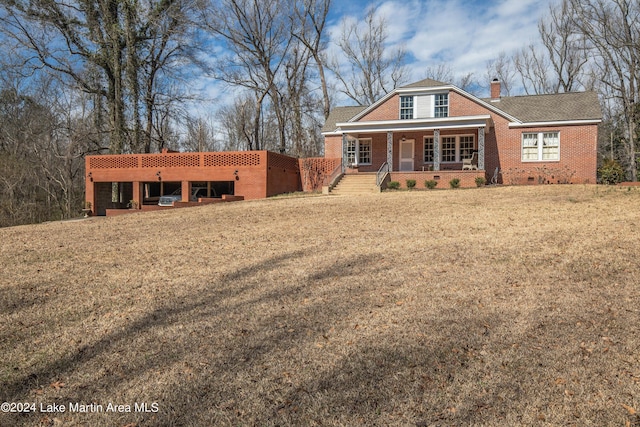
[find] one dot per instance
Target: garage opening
(152, 191)
(212, 189)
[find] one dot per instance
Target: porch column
(436, 150)
(89, 192)
(390, 150)
(137, 194)
(89, 195)
(481, 148)
(344, 152)
(186, 191)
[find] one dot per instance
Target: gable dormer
(424, 106)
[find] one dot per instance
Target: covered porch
(429, 146)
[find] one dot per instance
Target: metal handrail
(331, 179)
(382, 172)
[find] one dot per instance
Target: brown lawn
(494, 306)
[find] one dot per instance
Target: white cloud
(462, 34)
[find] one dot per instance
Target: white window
(359, 151)
(466, 147)
(364, 151)
(352, 149)
(540, 146)
(448, 144)
(551, 146)
(406, 107)
(428, 149)
(441, 105)
(456, 148)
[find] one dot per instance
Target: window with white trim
(364, 151)
(406, 107)
(466, 146)
(352, 149)
(456, 148)
(448, 148)
(428, 149)
(359, 151)
(441, 106)
(540, 146)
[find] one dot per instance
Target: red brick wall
(333, 147)
(389, 110)
(314, 171)
(503, 149)
(378, 151)
(283, 174)
(577, 163)
(463, 106)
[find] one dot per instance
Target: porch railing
(382, 173)
(332, 180)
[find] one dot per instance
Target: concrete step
(354, 184)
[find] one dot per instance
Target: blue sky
(463, 34)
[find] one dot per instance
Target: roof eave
(414, 124)
(555, 123)
(425, 89)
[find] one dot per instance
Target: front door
(406, 155)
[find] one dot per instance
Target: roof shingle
(527, 109)
(341, 115)
(551, 108)
(424, 83)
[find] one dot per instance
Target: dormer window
(424, 106)
(441, 106)
(406, 107)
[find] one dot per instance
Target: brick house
(433, 130)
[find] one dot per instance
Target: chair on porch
(470, 163)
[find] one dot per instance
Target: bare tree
(611, 28)
(441, 72)
(236, 124)
(44, 135)
(200, 135)
(534, 69)
(503, 69)
(107, 48)
(309, 23)
(293, 93)
(444, 73)
(560, 65)
(257, 37)
(370, 69)
(565, 46)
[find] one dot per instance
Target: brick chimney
(495, 90)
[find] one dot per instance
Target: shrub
(455, 183)
(393, 185)
(480, 181)
(430, 184)
(611, 172)
(411, 183)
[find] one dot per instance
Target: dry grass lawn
(494, 306)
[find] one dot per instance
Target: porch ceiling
(417, 124)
